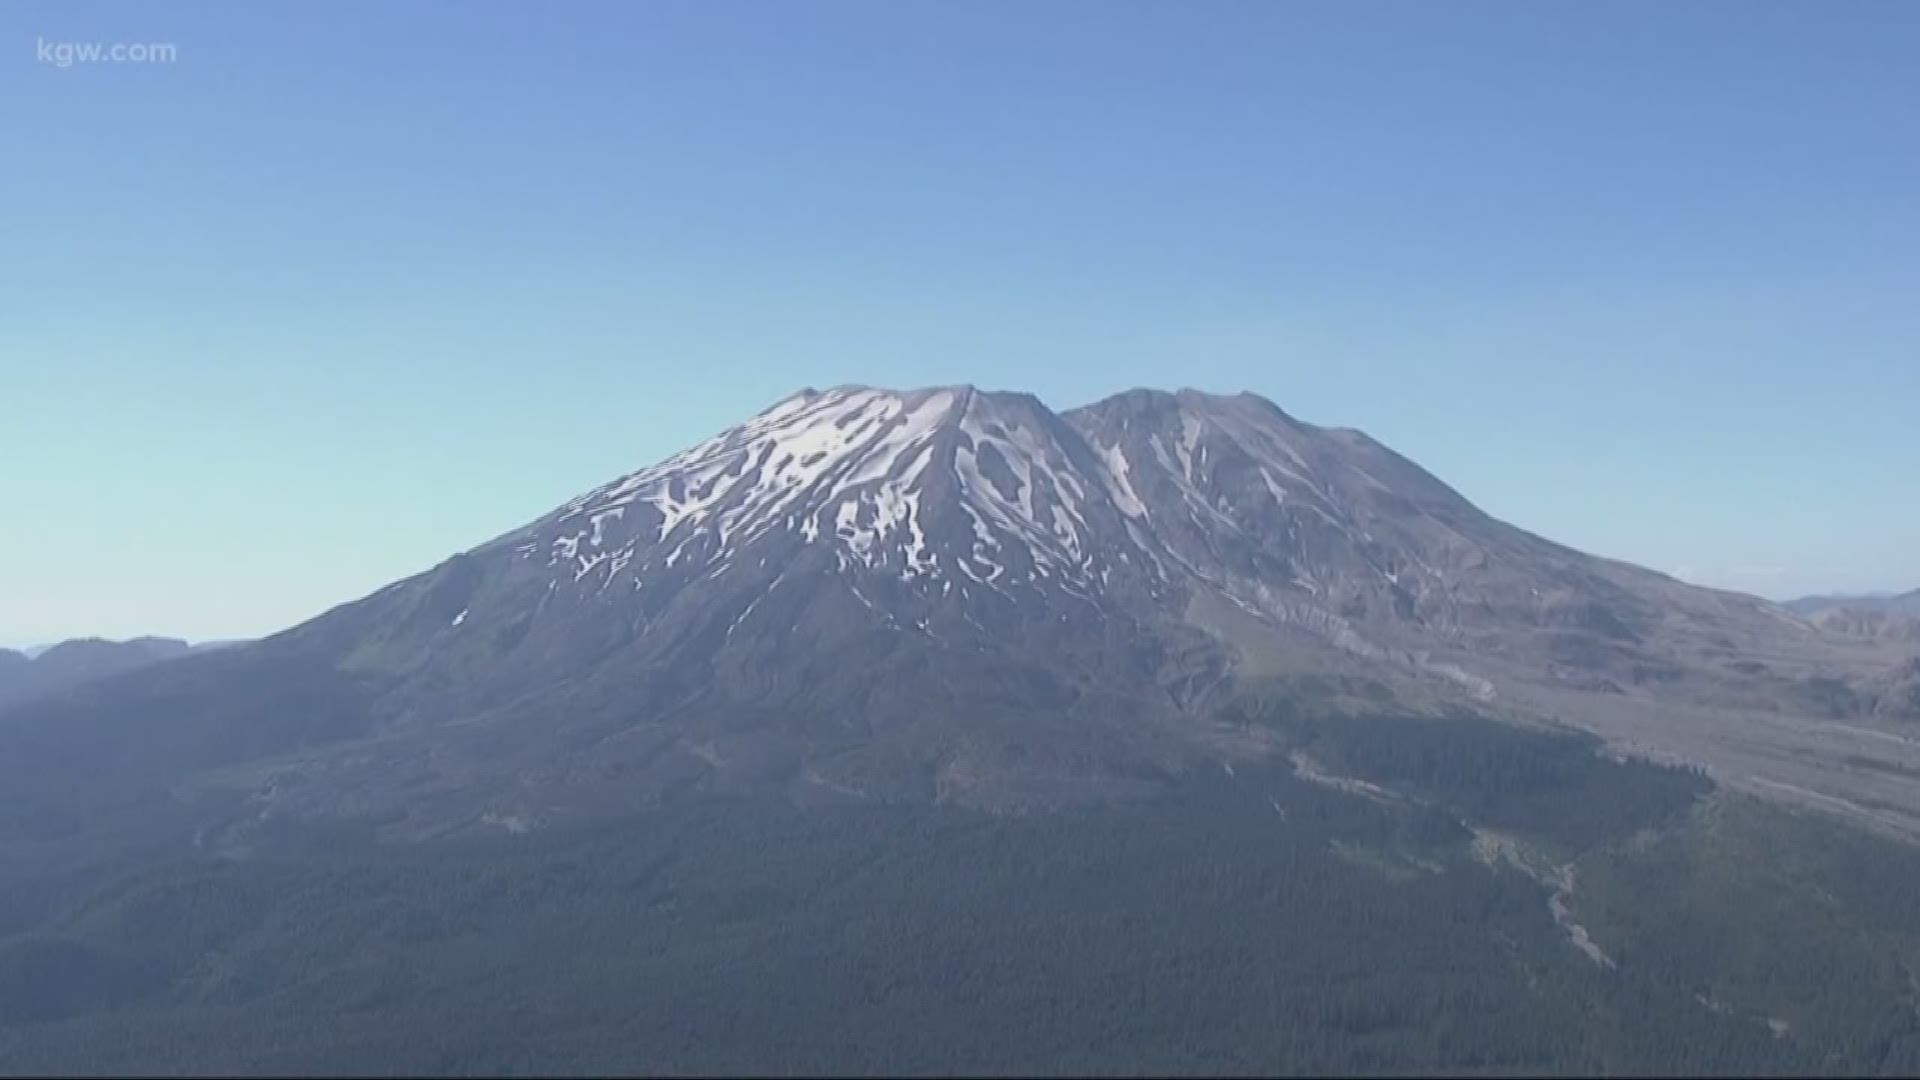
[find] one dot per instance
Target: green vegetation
(1252, 922)
(1554, 787)
(1788, 919)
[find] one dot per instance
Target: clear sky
(344, 288)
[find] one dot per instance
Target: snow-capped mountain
(951, 498)
(950, 488)
(933, 594)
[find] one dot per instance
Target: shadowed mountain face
(943, 595)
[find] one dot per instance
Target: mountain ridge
(53, 668)
(953, 594)
(1907, 603)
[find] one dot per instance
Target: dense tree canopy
(1249, 922)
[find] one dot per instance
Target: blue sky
(345, 288)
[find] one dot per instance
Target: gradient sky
(346, 288)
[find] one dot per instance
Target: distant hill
(35, 673)
(1907, 603)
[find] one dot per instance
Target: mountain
(1889, 619)
(1906, 604)
(1327, 529)
(58, 667)
(14, 666)
(952, 595)
(937, 732)
(1867, 622)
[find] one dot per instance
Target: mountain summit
(946, 594)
